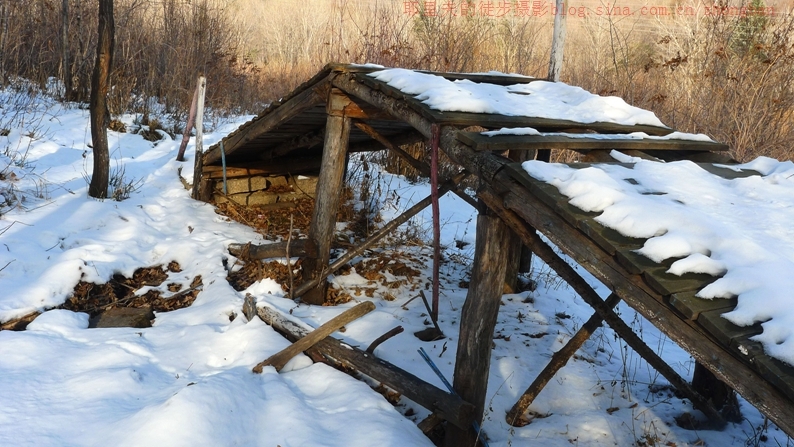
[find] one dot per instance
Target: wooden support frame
(329, 183)
(315, 93)
(759, 392)
(380, 234)
(578, 284)
(477, 322)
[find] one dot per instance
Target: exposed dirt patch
(121, 291)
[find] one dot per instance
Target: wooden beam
(422, 167)
(279, 359)
(307, 140)
(452, 408)
(329, 184)
(372, 240)
(292, 166)
(753, 387)
(407, 137)
(198, 162)
(273, 117)
(477, 322)
(298, 248)
(583, 289)
(499, 143)
(393, 107)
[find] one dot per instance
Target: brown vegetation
(726, 75)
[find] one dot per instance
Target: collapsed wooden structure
(343, 110)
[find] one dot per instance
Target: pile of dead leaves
(121, 291)
(255, 270)
(273, 223)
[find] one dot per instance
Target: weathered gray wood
(648, 303)
(477, 322)
(450, 407)
(311, 95)
(498, 143)
(329, 183)
(137, 317)
(298, 248)
(578, 284)
(408, 108)
(691, 306)
(191, 121)
(299, 142)
(279, 359)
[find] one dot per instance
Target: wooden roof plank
(634, 262)
(609, 240)
(667, 284)
(691, 306)
(271, 118)
(723, 330)
(480, 142)
(778, 373)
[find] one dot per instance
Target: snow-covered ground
(187, 380)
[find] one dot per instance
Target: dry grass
(724, 75)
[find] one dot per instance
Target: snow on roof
(540, 99)
(598, 136)
(740, 228)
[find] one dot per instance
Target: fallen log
(298, 248)
(448, 406)
(19, 324)
(279, 359)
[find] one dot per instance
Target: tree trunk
(100, 117)
(66, 67)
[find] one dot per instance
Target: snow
(540, 99)
(598, 136)
(738, 230)
(187, 380)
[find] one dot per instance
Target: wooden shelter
(343, 110)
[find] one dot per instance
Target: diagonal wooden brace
(580, 286)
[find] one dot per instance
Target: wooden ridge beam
(480, 142)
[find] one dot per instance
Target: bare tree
(100, 116)
(66, 65)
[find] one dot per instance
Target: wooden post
(329, 185)
(520, 256)
(477, 322)
(198, 165)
